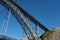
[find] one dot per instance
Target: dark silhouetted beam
(27, 15)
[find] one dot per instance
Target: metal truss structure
(23, 18)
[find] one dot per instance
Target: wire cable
(5, 24)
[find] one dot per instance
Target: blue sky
(45, 11)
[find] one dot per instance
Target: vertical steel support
(5, 23)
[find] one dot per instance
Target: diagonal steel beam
(27, 15)
(31, 18)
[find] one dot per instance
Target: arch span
(21, 15)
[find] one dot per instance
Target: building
(55, 35)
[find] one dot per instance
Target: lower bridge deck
(6, 38)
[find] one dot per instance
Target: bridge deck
(6, 38)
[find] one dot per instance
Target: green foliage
(46, 34)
